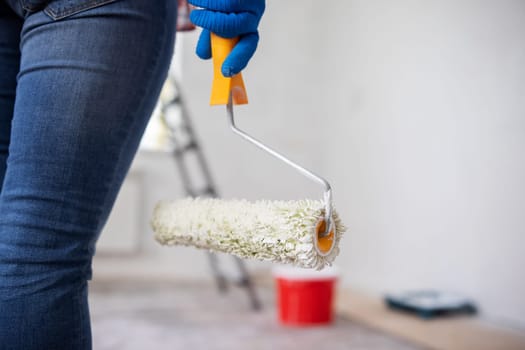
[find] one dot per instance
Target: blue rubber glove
(229, 19)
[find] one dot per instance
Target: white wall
(416, 113)
(431, 127)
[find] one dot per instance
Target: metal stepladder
(175, 117)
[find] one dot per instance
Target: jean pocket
(60, 9)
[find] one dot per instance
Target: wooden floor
(455, 333)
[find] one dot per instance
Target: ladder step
(206, 192)
(179, 152)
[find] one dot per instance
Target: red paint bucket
(305, 297)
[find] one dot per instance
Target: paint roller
(305, 233)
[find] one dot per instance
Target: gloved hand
(229, 19)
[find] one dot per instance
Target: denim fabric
(78, 82)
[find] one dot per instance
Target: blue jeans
(78, 82)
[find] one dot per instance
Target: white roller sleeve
(278, 231)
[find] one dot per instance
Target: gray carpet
(194, 317)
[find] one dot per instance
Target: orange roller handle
(221, 86)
